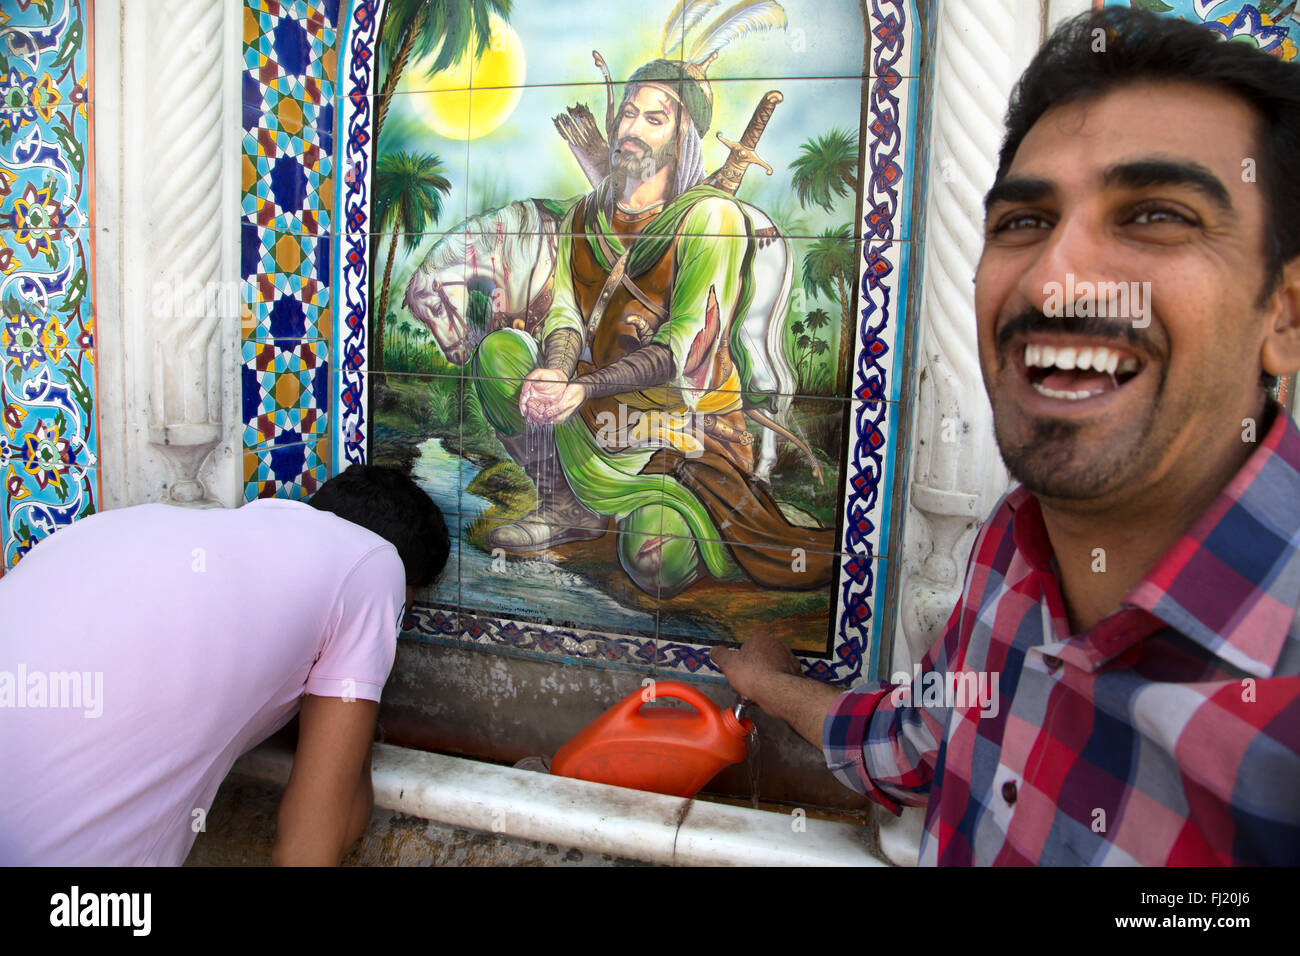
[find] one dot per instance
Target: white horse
(509, 253)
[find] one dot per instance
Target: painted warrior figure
(654, 267)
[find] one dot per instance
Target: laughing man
(1136, 592)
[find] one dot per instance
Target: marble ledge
(591, 817)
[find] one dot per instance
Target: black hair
(387, 502)
(1103, 50)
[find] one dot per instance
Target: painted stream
(521, 587)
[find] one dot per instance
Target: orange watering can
(660, 749)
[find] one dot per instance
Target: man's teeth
(1057, 393)
(1086, 358)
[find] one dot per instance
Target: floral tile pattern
(1270, 26)
(48, 434)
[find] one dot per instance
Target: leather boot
(560, 518)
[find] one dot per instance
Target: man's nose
(634, 129)
(1073, 253)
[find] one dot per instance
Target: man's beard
(1052, 457)
(629, 169)
(1045, 462)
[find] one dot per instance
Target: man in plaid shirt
(1120, 680)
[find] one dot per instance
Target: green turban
(687, 82)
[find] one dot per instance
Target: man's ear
(1280, 353)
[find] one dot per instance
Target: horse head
(438, 300)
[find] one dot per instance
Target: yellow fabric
(672, 424)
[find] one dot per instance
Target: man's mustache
(1032, 321)
(645, 147)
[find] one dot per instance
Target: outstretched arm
(328, 801)
(766, 671)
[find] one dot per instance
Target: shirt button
(1009, 791)
(1053, 663)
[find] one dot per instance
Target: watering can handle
(683, 692)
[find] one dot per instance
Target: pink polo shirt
(143, 650)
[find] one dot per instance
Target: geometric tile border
(289, 107)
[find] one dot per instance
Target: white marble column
(167, 290)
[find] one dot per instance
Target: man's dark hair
(1142, 46)
(389, 503)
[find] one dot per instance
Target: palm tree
(817, 320)
(829, 267)
(408, 200)
(416, 28)
(826, 169)
(797, 332)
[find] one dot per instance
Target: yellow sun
(471, 99)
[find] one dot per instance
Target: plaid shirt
(1167, 734)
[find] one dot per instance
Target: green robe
(612, 482)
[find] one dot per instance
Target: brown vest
(616, 336)
(628, 325)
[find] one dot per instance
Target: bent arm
(328, 801)
(652, 365)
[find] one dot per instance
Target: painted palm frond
(818, 319)
(684, 18)
(829, 262)
(826, 169)
(408, 200)
(414, 29)
(465, 27)
(741, 19)
(408, 193)
(829, 270)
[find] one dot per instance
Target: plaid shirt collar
(1231, 583)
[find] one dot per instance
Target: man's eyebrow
(1143, 173)
(1018, 189)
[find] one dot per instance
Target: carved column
(172, 353)
(981, 47)
(186, 304)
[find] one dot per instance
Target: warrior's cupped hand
(547, 397)
(542, 388)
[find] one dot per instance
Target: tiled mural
(48, 434)
(750, 488)
(288, 191)
(1268, 24)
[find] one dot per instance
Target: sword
(742, 154)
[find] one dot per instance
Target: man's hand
(759, 657)
(548, 398)
(767, 672)
(329, 798)
(570, 401)
(542, 388)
